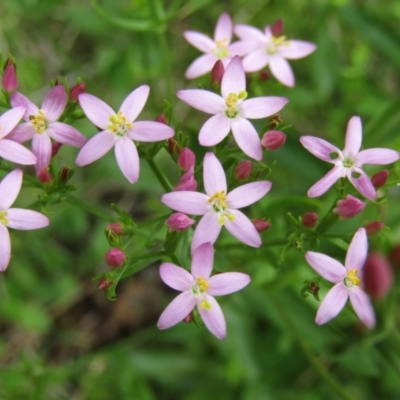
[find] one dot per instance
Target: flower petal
(377, 157)
(243, 229)
(363, 184)
(200, 66)
(332, 304)
(282, 70)
(176, 277)
(357, 251)
(41, 148)
(256, 60)
(294, 49)
(96, 110)
(22, 133)
(249, 32)
(134, 103)
(66, 134)
(214, 130)
(362, 306)
(234, 79)
(22, 219)
(241, 48)
(54, 103)
(261, 107)
(5, 248)
(227, 282)
(213, 174)
(212, 316)
(203, 261)
(177, 310)
(248, 194)
(95, 148)
(203, 100)
(150, 131)
(19, 100)
(187, 202)
(10, 119)
(9, 188)
(127, 158)
(320, 148)
(223, 29)
(329, 268)
(353, 137)
(207, 230)
(200, 41)
(326, 182)
(247, 137)
(15, 152)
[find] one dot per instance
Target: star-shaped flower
(198, 290)
(231, 110)
(219, 207)
(348, 162)
(347, 280)
(119, 130)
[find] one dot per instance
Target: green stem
(89, 208)
(160, 176)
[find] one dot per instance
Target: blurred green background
(62, 339)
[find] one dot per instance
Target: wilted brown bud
(380, 178)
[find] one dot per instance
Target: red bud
(243, 170)
(277, 27)
(115, 257)
(380, 178)
(261, 225)
(378, 276)
(273, 140)
(309, 219)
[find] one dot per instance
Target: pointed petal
(19, 218)
(19, 100)
(320, 148)
(376, 156)
(247, 137)
(357, 251)
(249, 32)
(41, 147)
(256, 60)
(241, 48)
(282, 70)
(207, 230)
(248, 194)
(363, 184)
(326, 182)
(223, 29)
(9, 188)
(177, 310)
(214, 130)
(200, 41)
(362, 306)
(22, 133)
(212, 316)
(203, 261)
(203, 100)
(330, 269)
(95, 148)
(66, 134)
(127, 158)
(15, 152)
(353, 137)
(213, 174)
(150, 131)
(234, 79)
(261, 107)
(54, 103)
(134, 103)
(10, 119)
(200, 66)
(243, 229)
(96, 110)
(294, 49)
(332, 304)
(227, 282)
(176, 277)
(5, 248)
(187, 202)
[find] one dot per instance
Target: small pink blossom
(347, 280)
(15, 218)
(198, 289)
(10, 81)
(219, 207)
(231, 111)
(186, 159)
(349, 207)
(178, 222)
(347, 163)
(118, 129)
(187, 181)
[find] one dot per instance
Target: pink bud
(261, 225)
(374, 227)
(45, 176)
(349, 207)
(187, 182)
(217, 73)
(188, 319)
(55, 146)
(186, 159)
(309, 219)
(243, 170)
(163, 119)
(179, 222)
(263, 76)
(115, 257)
(10, 81)
(273, 140)
(76, 90)
(380, 178)
(378, 276)
(277, 27)
(116, 227)
(104, 284)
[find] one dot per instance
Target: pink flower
(16, 218)
(187, 181)
(119, 130)
(267, 49)
(198, 290)
(10, 81)
(347, 162)
(178, 222)
(219, 207)
(349, 207)
(219, 48)
(41, 125)
(347, 280)
(186, 159)
(231, 110)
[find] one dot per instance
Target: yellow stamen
(218, 200)
(352, 279)
(3, 219)
(39, 121)
(277, 41)
(232, 102)
(200, 286)
(221, 50)
(119, 124)
(205, 304)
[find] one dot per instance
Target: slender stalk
(160, 176)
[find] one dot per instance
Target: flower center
(38, 121)
(119, 124)
(348, 162)
(352, 279)
(272, 47)
(221, 51)
(3, 219)
(200, 286)
(219, 206)
(232, 102)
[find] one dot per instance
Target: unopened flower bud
(263, 76)
(378, 276)
(65, 174)
(10, 81)
(243, 170)
(116, 227)
(76, 90)
(187, 182)
(374, 227)
(349, 207)
(163, 119)
(261, 225)
(55, 146)
(188, 319)
(104, 284)
(273, 140)
(173, 147)
(217, 73)
(313, 288)
(186, 159)
(277, 28)
(309, 219)
(380, 178)
(45, 176)
(115, 257)
(179, 222)
(394, 256)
